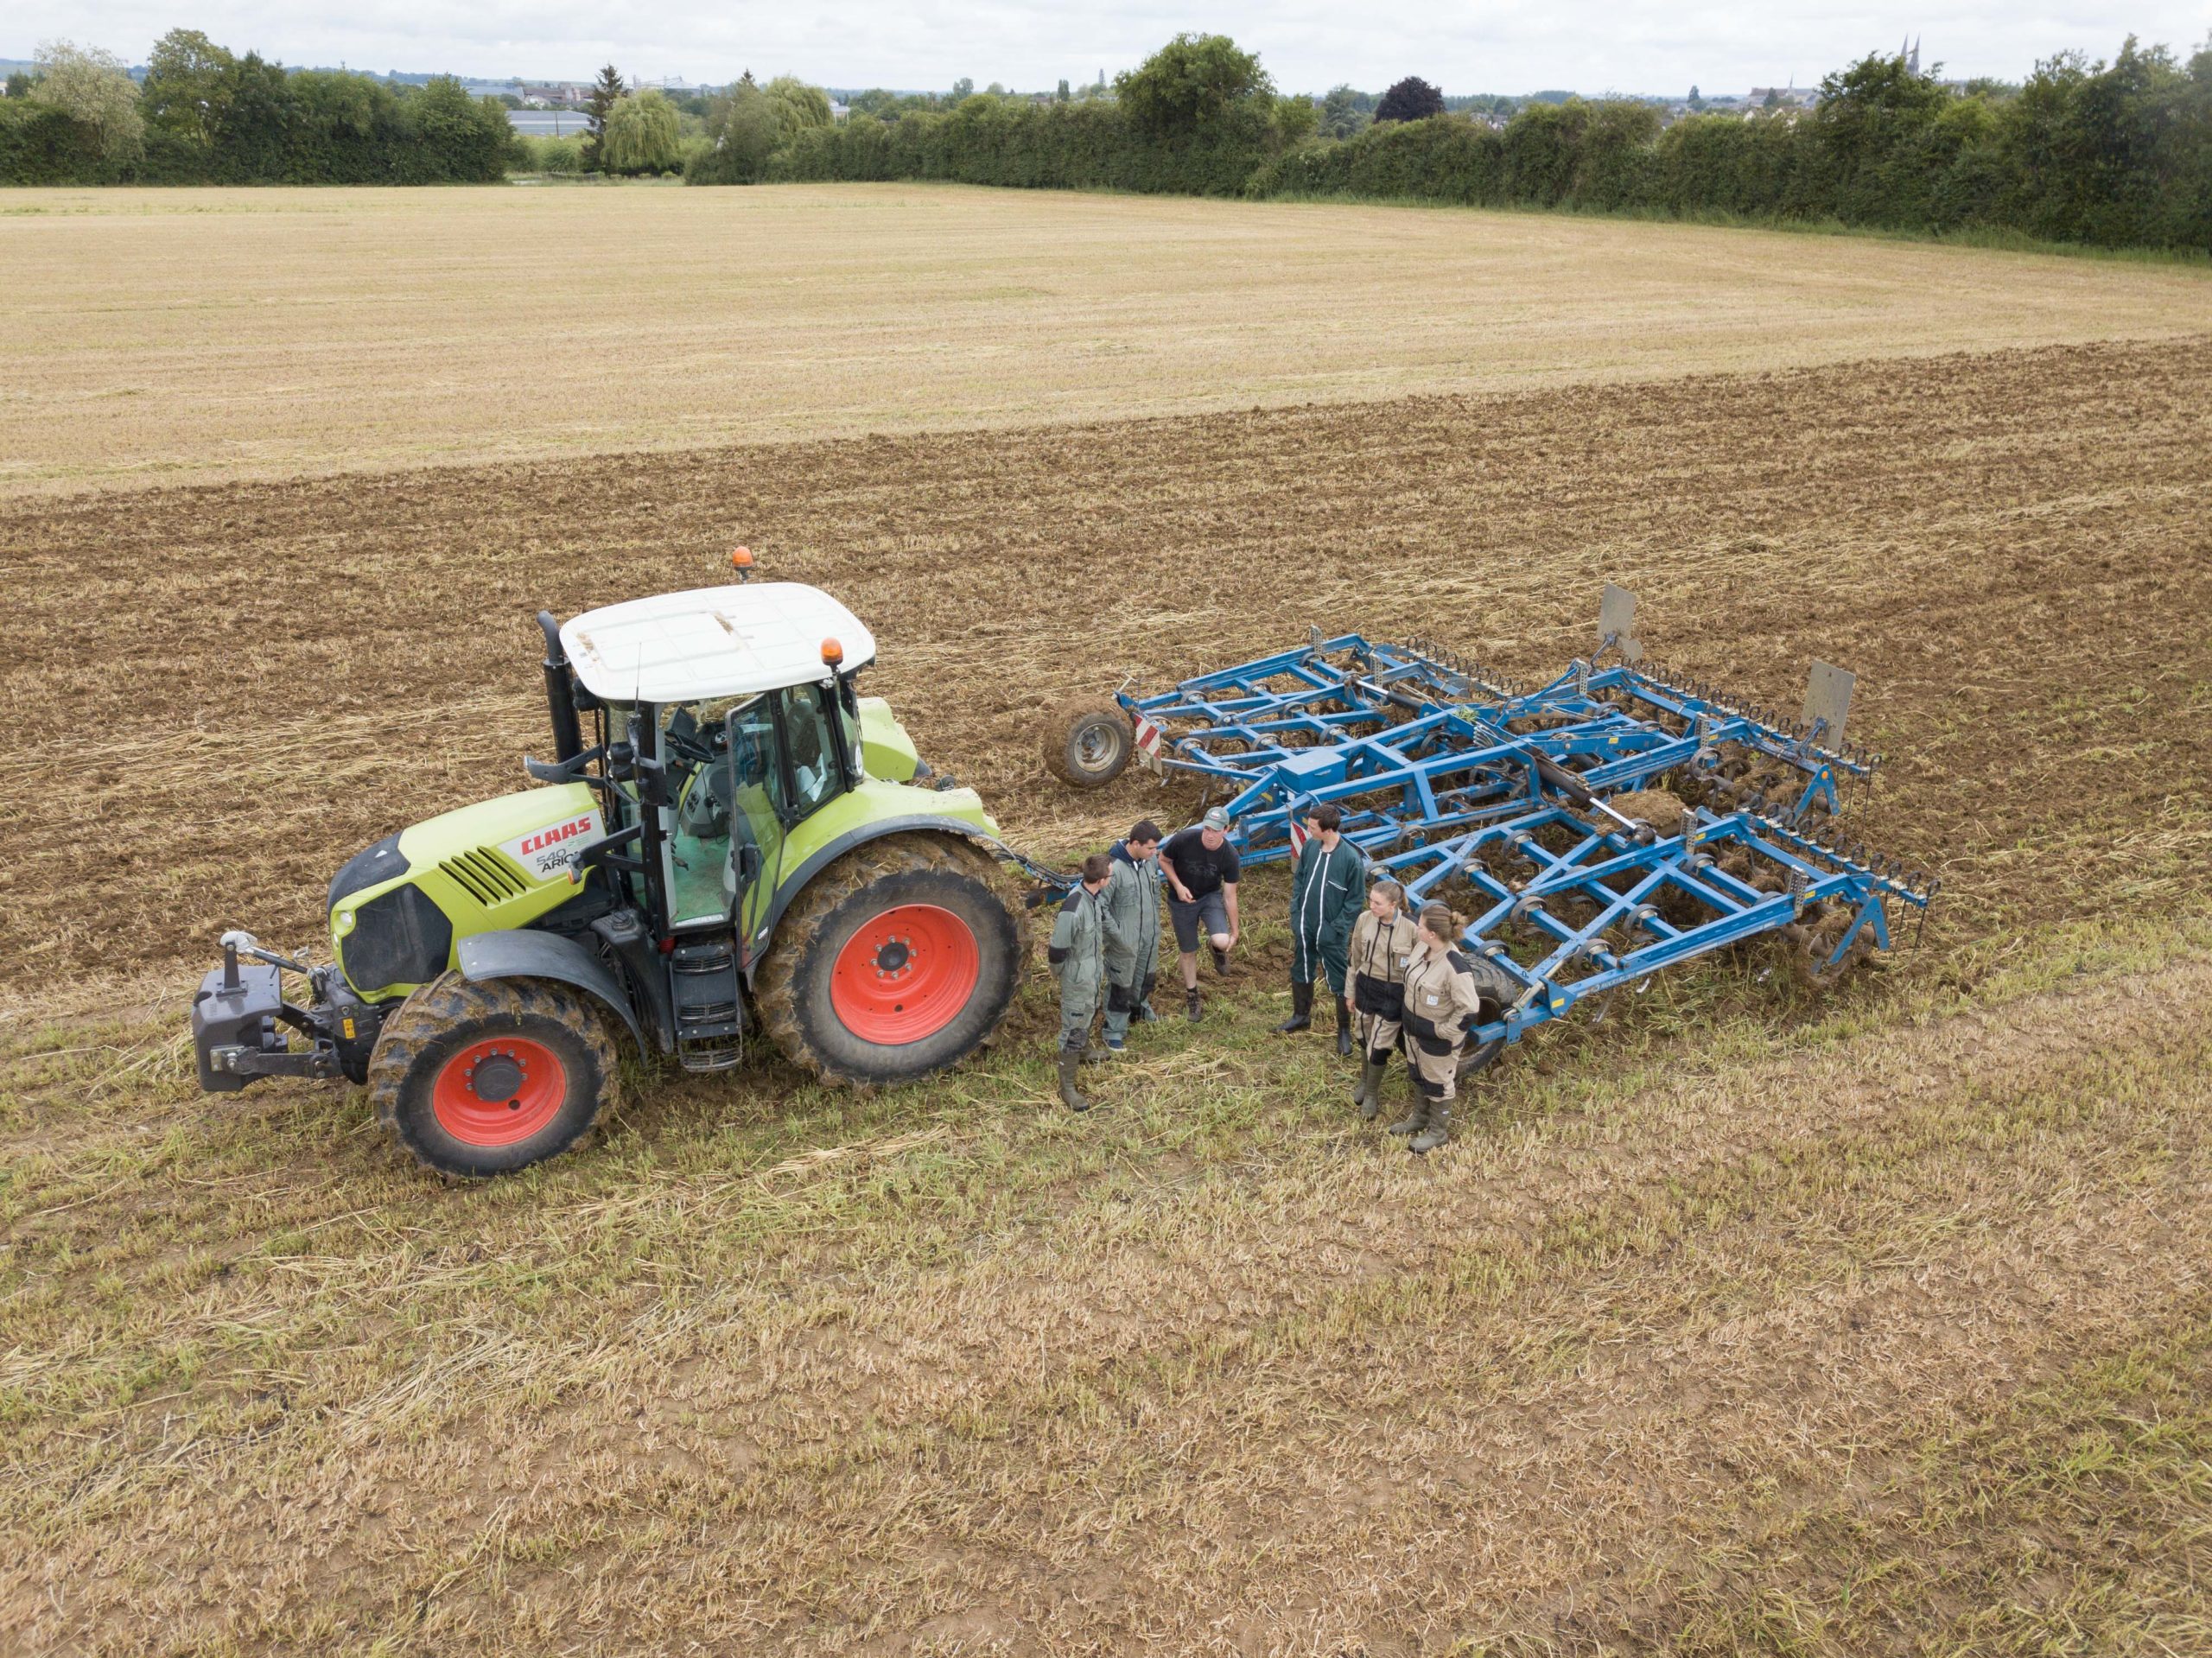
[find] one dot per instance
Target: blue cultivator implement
(1601, 827)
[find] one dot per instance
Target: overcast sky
(1506, 46)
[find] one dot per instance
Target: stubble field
(162, 336)
(1741, 1323)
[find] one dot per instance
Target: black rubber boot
(1070, 1095)
(1438, 1133)
(1368, 1096)
(1343, 1028)
(1301, 1009)
(1191, 1008)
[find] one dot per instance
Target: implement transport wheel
(482, 1079)
(896, 960)
(1088, 742)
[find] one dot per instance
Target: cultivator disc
(1612, 820)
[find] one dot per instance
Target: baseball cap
(1215, 820)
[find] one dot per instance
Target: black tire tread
(1059, 732)
(775, 986)
(449, 1000)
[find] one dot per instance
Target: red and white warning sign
(1297, 839)
(1148, 741)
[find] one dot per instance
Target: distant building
(550, 124)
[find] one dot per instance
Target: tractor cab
(737, 708)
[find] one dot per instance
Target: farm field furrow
(162, 336)
(2010, 550)
(1878, 1323)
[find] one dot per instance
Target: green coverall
(1326, 895)
(1077, 953)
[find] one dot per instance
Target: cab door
(756, 786)
(794, 752)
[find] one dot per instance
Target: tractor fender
(513, 953)
(831, 851)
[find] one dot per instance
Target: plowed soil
(218, 695)
(1739, 1324)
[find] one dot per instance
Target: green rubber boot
(1438, 1133)
(1071, 1097)
(1415, 1119)
(1368, 1096)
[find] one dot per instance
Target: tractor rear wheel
(897, 959)
(1088, 742)
(478, 1079)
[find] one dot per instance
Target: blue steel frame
(1442, 768)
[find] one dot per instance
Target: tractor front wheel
(897, 959)
(478, 1079)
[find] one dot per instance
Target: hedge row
(2117, 154)
(307, 127)
(2114, 156)
(1013, 142)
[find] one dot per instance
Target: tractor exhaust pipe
(560, 695)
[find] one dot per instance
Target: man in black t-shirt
(1201, 869)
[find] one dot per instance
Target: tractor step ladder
(709, 1020)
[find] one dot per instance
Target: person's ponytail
(1442, 921)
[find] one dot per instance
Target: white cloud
(1508, 46)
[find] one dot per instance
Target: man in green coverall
(1077, 953)
(1132, 901)
(1325, 896)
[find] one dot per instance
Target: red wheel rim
(502, 1089)
(906, 974)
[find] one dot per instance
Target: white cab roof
(683, 647)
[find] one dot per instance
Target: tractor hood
(397, 908)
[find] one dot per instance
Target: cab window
(812, 737)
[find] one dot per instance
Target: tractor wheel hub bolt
(497, 1078)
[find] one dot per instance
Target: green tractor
(747, 844)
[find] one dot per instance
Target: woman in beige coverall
(1382, 943)
(1443, 1003)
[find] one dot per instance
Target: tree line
(2112, 154)
(2109, 154)
(204, 115)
